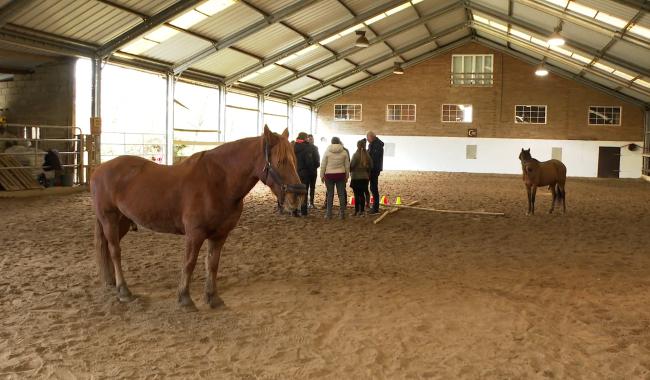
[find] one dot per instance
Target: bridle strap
(298, 188)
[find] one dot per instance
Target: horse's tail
(104, 262)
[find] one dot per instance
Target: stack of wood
(16, 178)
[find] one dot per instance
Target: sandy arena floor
(420, 295)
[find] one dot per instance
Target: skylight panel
(212, 7)
(611, 20)
(641, 31)
(520, 34)
(581, 58)
(623, 75)
(161, 34)
(582, 9)
(498, 26)
(398, 8)
(603, 67)
(642, 82)
(188, 19)
(559, 3)
(139, 46)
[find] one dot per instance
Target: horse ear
(285, 133)
(268, 135)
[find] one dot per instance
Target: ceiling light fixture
(397, 69)
(541, 70)
(362, 41)
(556, 39)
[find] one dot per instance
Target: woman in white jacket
(335, 171)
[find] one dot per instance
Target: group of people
(336, 168)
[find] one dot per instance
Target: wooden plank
(16, 179)
(392, 211)
(450, 211)
(7, 180)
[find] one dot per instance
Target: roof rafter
(378, 39)
(241, 34)
(147, 25)
(314, 39)
(381, 59)
(411, 62)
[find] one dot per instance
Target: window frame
(348, 104)
(620, 116)
(442, 113)
(532, 105)
(465, 84)
(415, 112)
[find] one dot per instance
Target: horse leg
(561, 188)
(554, 194)
(112, 227)
(532, 199)
(211, 267)
(528, 190)
(193, 245)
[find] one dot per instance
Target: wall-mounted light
(362, 41)
(397, 69)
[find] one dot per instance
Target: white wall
(498, 156)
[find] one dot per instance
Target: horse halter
(284, 188)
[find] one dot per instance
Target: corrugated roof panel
(429, 6)
(269, 41)
(408, 37)
(231, 20)
(271, 76)
(611, 7)
(525, 51)
(225, 63)
(572, 32)
(77, 19)
(384, 65)
(631, 53)
(395, 20)
(499, 5)
(331, 70)
(452, 37)
(298, 85)
(309, 58)
(175, 49)
(600, 80)
(148, 7)
(351, 80)
(419, 51)
(535, 17)
(570, 68)
(480, 34)
(360, 6)
(319, 17)
(645, 20)
(448, 20)
(272, 6)
(369, 53)
(636, 94)
(320, 93)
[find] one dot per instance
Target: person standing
(360, 168)
(335, 171)
(376, 152)
(307, 162)
(313, 175)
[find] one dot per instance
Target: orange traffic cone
(352, 202)
(384, 200)
(372, 199)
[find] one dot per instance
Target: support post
(260, 113)
(222, 113)
(169, 135)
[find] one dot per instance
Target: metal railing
(472, 79)
(37, 139)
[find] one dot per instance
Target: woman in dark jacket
(307, 162)
(360, 168)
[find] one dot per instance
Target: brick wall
(428, 86)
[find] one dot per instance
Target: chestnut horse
(551, 173)
(201, 197)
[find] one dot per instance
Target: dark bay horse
(551, 173)
(200, 197)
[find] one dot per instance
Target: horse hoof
(185, 302)
(124, 294)
(214, 301)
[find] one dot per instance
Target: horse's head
(280, 173)
(524, 155)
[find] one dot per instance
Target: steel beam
(381, 59)
(240, 35)
(378, 39)
(383, 74)
(559, 71)
(643, 5)
(316, 38)
(571, 44)
(146, 26)
(585, 22)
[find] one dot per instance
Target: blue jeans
(340, 190)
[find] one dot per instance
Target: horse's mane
(284, 152)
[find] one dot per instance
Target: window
(347, 112)
(457, 113)
(196, 119)
(604, 115)
(472, 70)
(530, 114)
(276, 115)
(241, 116)
(400, 112)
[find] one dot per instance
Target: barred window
(347, 112)
(604, 115)
(400, 112)
(472, 69)
(530, 114)
(457, 113)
